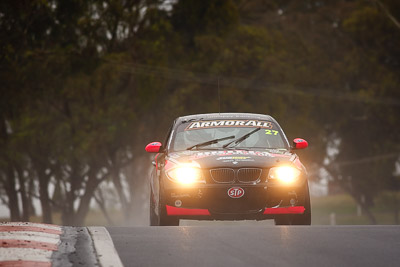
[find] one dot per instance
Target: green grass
(345, 210)
(96, 217)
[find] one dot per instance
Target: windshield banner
(229, 123)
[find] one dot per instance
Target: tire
(154, 219)
(298, 219)
(164, 219)
(168, 221)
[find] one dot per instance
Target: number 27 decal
(271, 132)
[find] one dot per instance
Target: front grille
(248, 175)
(223, 175)
(243, 175)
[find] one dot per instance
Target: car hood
(209, 159)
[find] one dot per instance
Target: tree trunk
(75, 180)
(9, 177)
(68, 212)
(31, 194)
(396, 208)
(136, 174)
(44, 195)
(84, 204)
(367, 212)
(124, 202)
(100, 201)
(115, 176)
(348, 189)
(13, 203)
(24, 196)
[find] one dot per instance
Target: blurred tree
(86, 84)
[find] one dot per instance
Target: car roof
(222, 116)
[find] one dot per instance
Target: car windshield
(188, 135)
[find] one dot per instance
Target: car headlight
(284, 174)
(186, 175)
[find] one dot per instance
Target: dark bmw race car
(228, 166)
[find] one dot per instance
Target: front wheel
(168, 221)
(165, 220)
(298, 219)
(162, 219)
(154, 219)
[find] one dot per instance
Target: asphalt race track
(207, 244)
(258, 245)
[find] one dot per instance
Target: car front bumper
(212, 201)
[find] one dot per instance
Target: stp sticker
(235, 192)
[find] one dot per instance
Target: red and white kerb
(28, 244)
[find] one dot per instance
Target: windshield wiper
(210, 142)
(241, 139)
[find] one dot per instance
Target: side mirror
(299, 143)
(153, 147)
